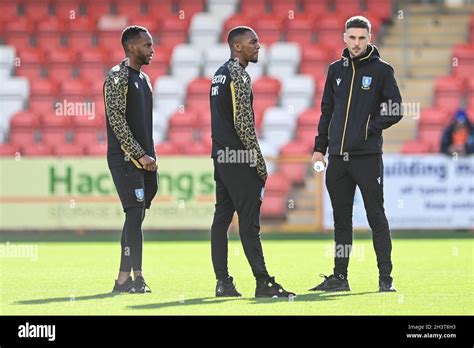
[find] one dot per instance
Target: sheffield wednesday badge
(366, 81)
(140, 194)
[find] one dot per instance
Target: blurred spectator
(458, 136)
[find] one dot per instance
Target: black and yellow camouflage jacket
(232, 116)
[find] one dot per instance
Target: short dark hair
(131, 32)
(358, 22)
(236, 32)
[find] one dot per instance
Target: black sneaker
(125, 287)
(140, 286)
(332, 283)
(386, 286)
(226, 288)
(270, 288)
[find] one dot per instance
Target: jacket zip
(367, 127)
(329, 127)
(348, 107)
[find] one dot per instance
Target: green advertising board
(78, 193)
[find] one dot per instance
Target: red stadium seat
(432, 137)
(449, 103)
(51, 120)
(68, 150)
(309, 117)
(41, 106)
(61, 56)
(289, 165)
(173, 31)
(269, 29)
(67, 9)
(301, 29)
(294, 172)
(24, 137)
(197, 149)
(267, 91)
(239, 19)
(59, 72)
(274, 206)
(94, 55)
(25, 120)
(205, 136)
(50, 25)
(97, 149)
(306, 135)
(152, 24)
(31, 56)
(46, 88)
(347, 8)
(277, 183)
(167, 148)
(319, 7)
(415, 147)
(9, 10)
(38, 9)
(448, 85)
(74, 88)
(295, 148)
(36, 150)
(188, 119)
(282, 8)
(190, 7)
(97, 9)
(8, 150)
(30, 72)
(129, 8)
(96, 74)
(19, 32)
(251, 7)
(382, 8)
(161, 8)
(56, 136)
(197, 98)
(181, 136)
(433, 117)
(86, 136)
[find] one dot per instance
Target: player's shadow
(313, 297)
(186, 302)
(67, 299)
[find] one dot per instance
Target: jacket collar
(370, 53)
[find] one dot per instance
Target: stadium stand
(54, 51)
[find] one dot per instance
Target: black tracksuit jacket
(352, 116)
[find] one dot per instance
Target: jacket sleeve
(321, 141)
(115, 98)
(391, 96)
(243, 114)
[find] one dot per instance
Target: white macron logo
(338, 81)
(116, 80)
(244, 78)
(378, 180)
(34, 331)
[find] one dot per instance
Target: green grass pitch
(434, 276)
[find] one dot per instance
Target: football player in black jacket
(239, 167)
(361, 98)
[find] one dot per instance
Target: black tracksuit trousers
(342, 176)
(238, 188)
